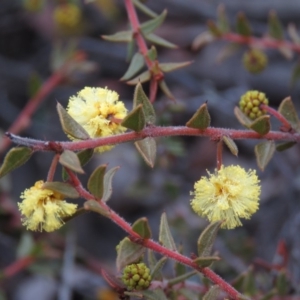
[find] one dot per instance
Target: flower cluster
(67, 16)
(250, 104)
(43, 209)
(255, 61)
(99, 112)
(136, 276)
(229, 194)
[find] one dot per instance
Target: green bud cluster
(255, 61)
(136, 276)
(250, 104)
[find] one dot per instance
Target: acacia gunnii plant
(96, 120)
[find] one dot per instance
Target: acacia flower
(99, 112)
(229, 194)
(44, 208)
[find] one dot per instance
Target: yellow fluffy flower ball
(229, 194)
(255, 61)
(67, 16)
(99, 112)
(250, 104)
(43, 209)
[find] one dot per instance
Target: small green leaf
(163, 86)
(15, 158)
(153, 38)
(242, 118)
(147, 148)
(143, 77)
(274, 26)
(261, 125)
(65, 189)
(207, 239)
(95, 182)
(264, 152)
(92, 205)
(201, 118)
(156, 271)
(152, 53)
(242, 25)
(130, 50)
(141, 98)
(181, 278)
(35, 83)
(135, 120)
(151, 259)
(213, 29)
(84, 157)
(121, 36)
(231, 145)
(71, 161)
(169, 67)
(165, 236)
(223, 23)
(107, 183)
(157, 294)
(206, 261)
(213, 293)
(153, 24)
(284, 146)
(143, 8)
(135, 66)
(69, 125)
(141, 226)
(128, 253)
(287, 109)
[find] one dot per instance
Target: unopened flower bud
(136, 276)
(255, 61)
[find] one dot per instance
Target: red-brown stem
(264, 42)
(23, 120)
(155, 131)
(219, 154)
(278, 116)
(52, 168)
(18, 266)
(153, 90)
(216, 279)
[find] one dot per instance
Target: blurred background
(37, 37)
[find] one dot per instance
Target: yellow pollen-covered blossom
(229, 194)
(43, 209)
(99, 112)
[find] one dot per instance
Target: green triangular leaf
(135, 66)
(201, 118)
(143, 8)
(70, 160)
(69, 125)
(95, 182)
(287, 109)
(207, 239)
(128, 253)
(135, 120)
(156, 273)
(284, 146)
(153, 24)
(242, 118)
(65, 189)
(147, 148)
(275, 27)
(165, 236)
(264, 152)
(261, 125)
(163, 86)
(141, 227)
(143, 77)
(15, 158)
(213, 293)
(121, 36)
(141, 98)
(107, 183)
(231, 145)
(92, 205)
(242, 25)
(153, 38)
(169, 67)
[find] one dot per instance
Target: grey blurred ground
(26, 41)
